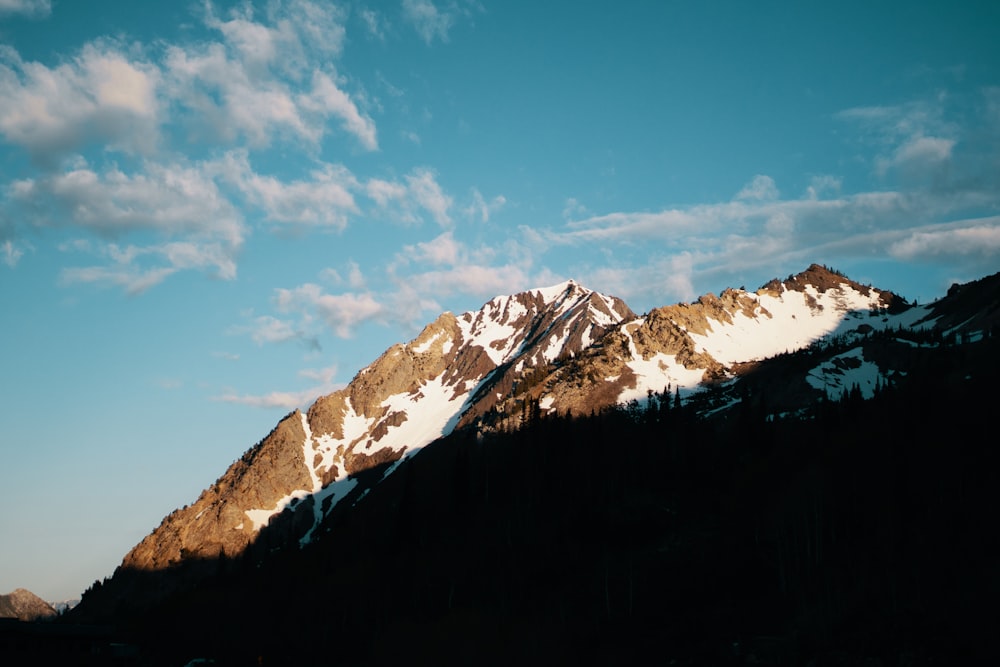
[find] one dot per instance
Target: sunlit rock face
(456, 370)
(24, 605)
(564, 348)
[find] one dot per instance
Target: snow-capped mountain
(458, 367)
(563, 349)
(758, 511)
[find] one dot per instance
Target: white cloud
(374, 22)
(130, 278)
(669, 277)
(342, 313)
(481, 210)
(402, 201)
(429, 21)
(429, 195)
(574, 209)
(635, 226)
(917, 153)
(972, 238)
(100, 96)
(322, 375)
(266, 329)
(289, 400)
(9, 254)
(762, 188)
(325, 200)
(284, 400)
(914, 140)
(820, 185)
(355, 278)
(327, 99)
(441, 250)
(297, 29)
(130, 269)
(473, 279)
(171, 199)
(32, 8)
(222, 94)
(266, 81)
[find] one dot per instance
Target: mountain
(457, 368)
(707, 473)
(24, 605)
(566, 348)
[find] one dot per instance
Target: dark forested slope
(862, 530)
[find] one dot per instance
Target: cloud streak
(30, 8)
(289, 400)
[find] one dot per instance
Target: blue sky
(210, 213)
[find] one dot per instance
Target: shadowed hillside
(860, 533)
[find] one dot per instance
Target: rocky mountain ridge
(796, 475)
(563, 349)
(412, 394)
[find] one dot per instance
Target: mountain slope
(457, 367)
(560, 350)
(861, 533)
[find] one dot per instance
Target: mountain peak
(457, 369)
(554, 292)
(24, 605)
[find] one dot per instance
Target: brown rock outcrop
(24, 605)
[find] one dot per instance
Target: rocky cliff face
(24, 605)
(690, 344)
(457, 369)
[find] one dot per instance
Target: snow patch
(655, 373)
(838, 375)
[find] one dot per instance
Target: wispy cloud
(962, 239)
(342, 313)
(266, 329)
(31, 8)
(290, 400)
(761, 188)
(138, 268)
(726, 238)
(10, 254)
(480, 210)
(172, 199)
(374, 22)
(324, 200)
(407, 201)
(428, 20)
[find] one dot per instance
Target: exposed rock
(24, 605)
(217, 523)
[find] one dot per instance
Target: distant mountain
(24, 605)
(555, 454)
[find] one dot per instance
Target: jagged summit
(457, 369)
(794, 403)
(562, 348)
